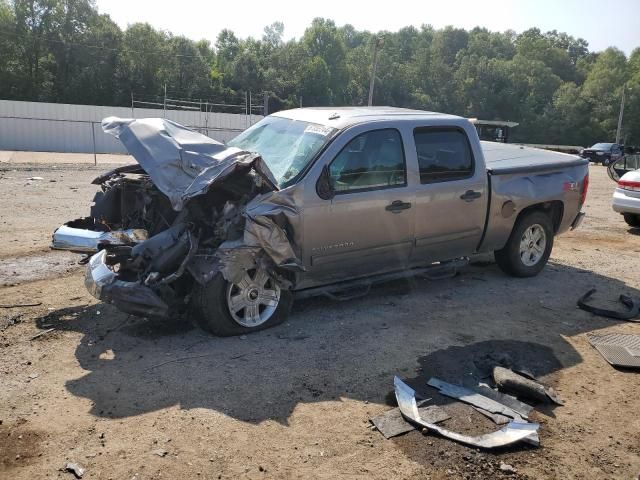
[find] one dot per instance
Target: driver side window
(371, 161)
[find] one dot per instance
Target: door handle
(470, 195)
(397, 206)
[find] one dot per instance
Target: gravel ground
(130, 398)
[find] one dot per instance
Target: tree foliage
(549, 82)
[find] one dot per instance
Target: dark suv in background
(603, 153)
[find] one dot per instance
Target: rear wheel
(254, 303)
(632, 219)
(529, 246)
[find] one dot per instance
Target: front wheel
(631, 219)
(606, 162)
(254, 303)
(529, 246)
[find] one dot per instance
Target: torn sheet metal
(620, 350)
(391, 423)
(511, 382)
(523, 409)
(473, 398)
(88, 241)
(494, 417)
(130, 297)
(262, 229)
(181, 162)
(631, 314)
(512, 433)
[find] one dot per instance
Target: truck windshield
(287, 146)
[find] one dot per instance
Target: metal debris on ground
(621, 350)
(160, 452)
(391, 423)
(473, 398)
(512, 433)
(74, 468)
(497, 418)
(506, 468)
(631, 314)
(524, 409)
(516, 384)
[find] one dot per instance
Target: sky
(602, 23)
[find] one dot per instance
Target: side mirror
(323, 187)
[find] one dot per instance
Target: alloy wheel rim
(254, 299)
(532, 245)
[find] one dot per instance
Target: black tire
(210, 311)
(606, 162)
(509, 259)
(632, 219)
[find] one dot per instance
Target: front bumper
(623, 203)
(83, 240)
(130, 297)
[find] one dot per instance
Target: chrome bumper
(87, 241)
(98, 274)
(129, 297)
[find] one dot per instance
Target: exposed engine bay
(190, 209)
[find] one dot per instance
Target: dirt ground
(129, 398)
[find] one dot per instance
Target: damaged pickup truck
(311, 201)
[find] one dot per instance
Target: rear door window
(371, 161)
(444, 154)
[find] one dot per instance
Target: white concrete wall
(57, 127)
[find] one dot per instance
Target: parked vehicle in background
(312, 201)
(626, 198)
(603, 153)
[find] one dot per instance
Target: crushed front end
(191, 208)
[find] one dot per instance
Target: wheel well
(554, 209)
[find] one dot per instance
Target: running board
(361, 286)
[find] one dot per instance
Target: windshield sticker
(318, 130)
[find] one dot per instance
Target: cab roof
(341, 117)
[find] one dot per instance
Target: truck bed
(503, 159)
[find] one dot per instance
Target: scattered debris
(160, 452)
(35, 178)
(522, 408)
(618, 349)
(392, 423)
(44, 332)
(473, 398)
(506, 468)
(74, 468)
(512, 433)
(18, 305)
(33, 376)
(14, 320)
(633, 307)
(497, 418)
(511, 382)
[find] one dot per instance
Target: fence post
(93, 136)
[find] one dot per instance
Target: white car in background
(626, 198)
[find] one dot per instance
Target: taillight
(629, 185)
(585, 187)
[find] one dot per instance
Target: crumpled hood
(182, 163)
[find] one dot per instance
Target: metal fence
(54, 127)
